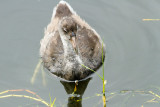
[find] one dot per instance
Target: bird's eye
(65, 30)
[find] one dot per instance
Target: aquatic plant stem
(102, 78)
(37, 98)
(92, 71)
(103, 69)
(36, 71)
(103, 97)
(25, 96)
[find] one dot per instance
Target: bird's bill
(73, 42)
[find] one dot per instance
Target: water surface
(132, 59)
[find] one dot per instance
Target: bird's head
(69, 28)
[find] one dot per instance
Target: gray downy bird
(69, 43)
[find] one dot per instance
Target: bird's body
(69, 43)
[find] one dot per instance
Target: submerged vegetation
(6, 94)
(155, 98)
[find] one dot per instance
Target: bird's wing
(90, 47)
(53, 51)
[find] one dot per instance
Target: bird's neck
(69, 52)
(68, 49)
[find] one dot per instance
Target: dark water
(133, 51)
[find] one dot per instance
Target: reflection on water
(75, 97)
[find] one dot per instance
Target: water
(132, 46)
